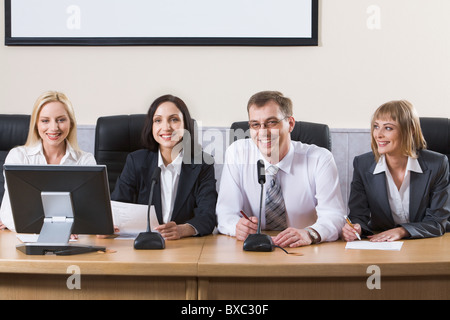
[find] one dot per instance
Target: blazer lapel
(378, 183)
(157, 202)
(418, 187)
(188, 177)
(152, 164)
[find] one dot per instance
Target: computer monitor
(56, 201)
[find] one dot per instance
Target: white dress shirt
(309, 182)
(170, 176)
(398, 198)
(35, 156)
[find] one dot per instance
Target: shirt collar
(70, 151)
(285, 164)
(175, 165)
(412, 165)
(35, 150)
(38, 149)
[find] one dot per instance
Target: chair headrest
(13, 130)
(436, 132)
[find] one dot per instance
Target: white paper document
(27, 238)
(131, 219)
(368, 245)
(32, 238)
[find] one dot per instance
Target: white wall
(340, 82)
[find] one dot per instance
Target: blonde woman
(400, 189)
(52, 140)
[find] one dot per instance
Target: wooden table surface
(223, 256)
(216, 267)
(180, 258)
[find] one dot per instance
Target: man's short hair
(262, 98)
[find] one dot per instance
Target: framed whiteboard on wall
(162, 22)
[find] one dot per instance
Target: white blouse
(170, 176)
(398, 198)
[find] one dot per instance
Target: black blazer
(196, 197)
(429, 208)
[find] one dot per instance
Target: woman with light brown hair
(52, 139)
(400, 189)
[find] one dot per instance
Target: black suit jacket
(429, 208)
(196, 198)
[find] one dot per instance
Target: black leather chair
(13, 132)
(115, 138)
(306, 132)
(436, 132)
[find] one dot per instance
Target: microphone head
(156, 174)
(261, 171)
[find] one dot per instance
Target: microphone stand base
(149, 241)
(258, 242)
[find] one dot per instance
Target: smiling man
(302, 195)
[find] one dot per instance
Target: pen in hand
(351, 225)
(245, 216)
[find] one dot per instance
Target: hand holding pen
(350, 231)
(246, 226)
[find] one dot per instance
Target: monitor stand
(56, 230)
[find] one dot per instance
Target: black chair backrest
(306, 132)
(13, 132)
(436, 132)
(115, 138)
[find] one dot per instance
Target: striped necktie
(275, 207)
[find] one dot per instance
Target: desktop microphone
(259, 242)
(150, 240)
(261, 171)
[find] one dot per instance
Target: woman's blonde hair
(42, 100)
(405, 115)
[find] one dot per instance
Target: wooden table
(216, 267)
(124, 273)
(421, 270)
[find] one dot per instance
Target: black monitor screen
(87, 186)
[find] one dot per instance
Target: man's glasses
(268, 124)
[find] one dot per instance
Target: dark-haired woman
(185, 199)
